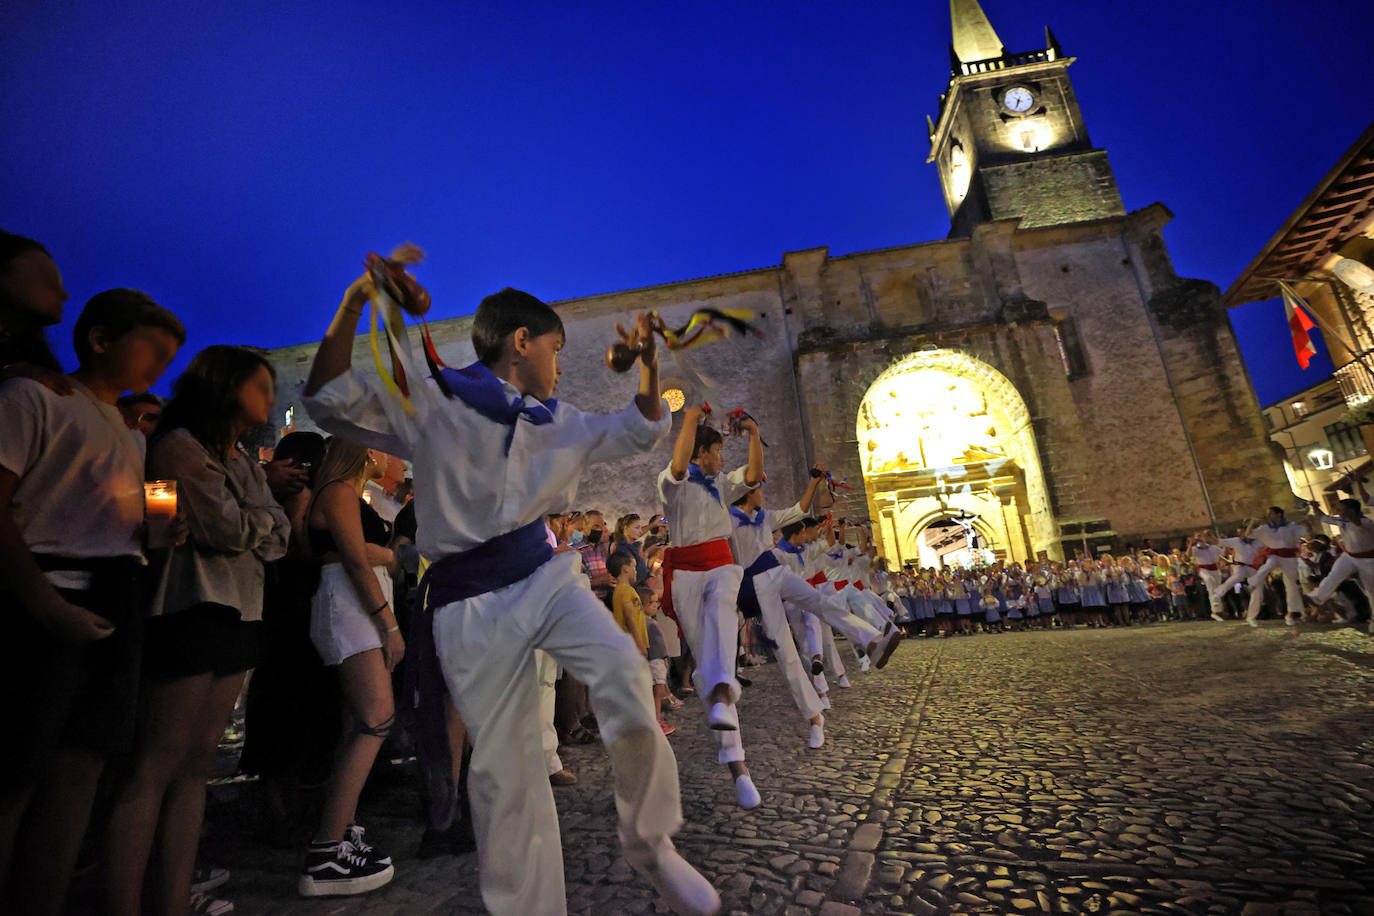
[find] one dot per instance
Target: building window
(1299, 408)
(1345, 441)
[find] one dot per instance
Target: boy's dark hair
(120, 311)
(645, 594)
(1352, 504)
(1276, 509)
(792, 530)
(205, 398)
(810, 522)
(707, 436)
(504, 313)
(741, 500)
(616, 563)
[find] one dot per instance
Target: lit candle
(159, 507)
(160, 498)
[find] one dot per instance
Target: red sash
(696, 558)
(1289, 552)
(816, 580)
(840, 584)
(859, 585)
(1365, 555)
(1211, 566)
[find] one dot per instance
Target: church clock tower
(1010, 140)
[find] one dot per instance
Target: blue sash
(748, 598)
(504, 560)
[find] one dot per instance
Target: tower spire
(974, 38)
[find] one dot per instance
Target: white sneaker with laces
(680, 885)
(843, 681)
(817, 736)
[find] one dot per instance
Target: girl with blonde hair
(354, 627)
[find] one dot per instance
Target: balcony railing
(1357, 384)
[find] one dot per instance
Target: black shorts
(65, 696)
(203, 639)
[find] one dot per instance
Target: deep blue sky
(238, 160)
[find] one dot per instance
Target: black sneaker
(354, 834)
(337, 869)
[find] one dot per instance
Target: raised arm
(812, 485)
(753, 471)
(686, 438)
(335, 355)
(648, 399)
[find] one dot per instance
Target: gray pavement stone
(1182, 768)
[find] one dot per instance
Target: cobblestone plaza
(1178, 768)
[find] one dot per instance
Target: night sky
(237, 161)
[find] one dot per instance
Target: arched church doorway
(946, 440)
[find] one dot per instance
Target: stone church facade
(1042, 369)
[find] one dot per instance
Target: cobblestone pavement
(1183, 768)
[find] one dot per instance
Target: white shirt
(694, 515)
(1358, 537)
(80, 470)
(1206, 553)
(1289, 534)
(1244, 551)
(750, 541)
(474, 488)
(813, 557)
(791, 561)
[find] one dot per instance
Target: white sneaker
(825, 701)
(723, 718)
(844, 680)
(1252, 622)
(863, 663)
(884, 646)
(1290, 620)
(1217, 617)
(745, 793)
(817, 736)
(680, 885)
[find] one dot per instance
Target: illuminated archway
(941, 433)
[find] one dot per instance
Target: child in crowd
(492, 461)
(658, 656)
(71, 532)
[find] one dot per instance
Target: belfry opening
(950, 465)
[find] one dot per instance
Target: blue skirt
(1092, 596)
(962, 606)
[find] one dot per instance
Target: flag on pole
(1298, 325)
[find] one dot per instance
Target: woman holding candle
(203, 633)
(354, 628)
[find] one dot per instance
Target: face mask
(594, 537)
(575, 537)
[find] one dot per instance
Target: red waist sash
(816, 580)
(859, 585)
(1362, 554)
(1289, 552)
(696, 558)
(840, 584)
(1211, 566)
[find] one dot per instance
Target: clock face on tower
(1018, 100)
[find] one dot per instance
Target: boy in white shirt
(71, 532)
(493, 459)
(701, 576)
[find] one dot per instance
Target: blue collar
(786, 545)
(743, 517)
(479, 388)
(695, 475)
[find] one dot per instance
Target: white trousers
(546, 669)
(705, 606)
(772, 588)
(831, 656)
(486, 651)
(1288, 566)
(1345, 567)
(1239, 573)
(1212, 580)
